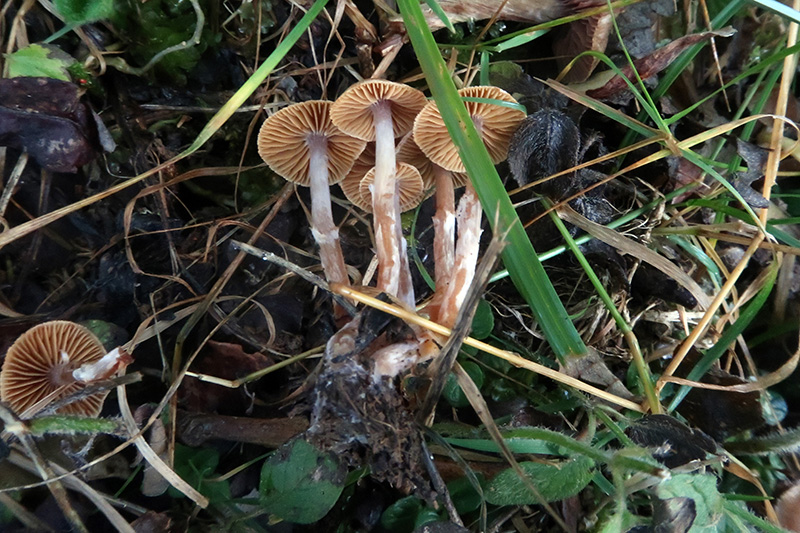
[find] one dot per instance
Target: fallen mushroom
(380, 111)
(496, 124)
(54, 360)
(301, 144)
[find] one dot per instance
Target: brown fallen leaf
(589, 33)
(654, 63)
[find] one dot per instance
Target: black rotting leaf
(546, 142)
(720, 413)
(756, 159)
(648, 281)
(674, 515)
(674, 442)
(46, 117)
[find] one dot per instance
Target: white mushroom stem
(444, 229)
(322, 227)
(466, 256)
(394, 274)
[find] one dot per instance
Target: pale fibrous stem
(468, 218)
(444, 227)
(466, 256)
(394, 275)
(322, 226)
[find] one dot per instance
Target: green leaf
(483, 321)
(555, 481)
(196, 465)
(401, 516)
(452, 391)
(39, 62)
(300, 484)
(84, 11)
(702, 490)
(465, 498)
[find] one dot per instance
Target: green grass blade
(519, 256)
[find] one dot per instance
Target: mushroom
(39, 366)
(301, 144)
(444, 220)
(496, 124)
(351, 184)
(410, 186)
(380, 110)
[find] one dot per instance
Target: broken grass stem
(512, 358)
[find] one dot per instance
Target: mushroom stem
(444, 228)
(322, 226)
(394, 274)
(466, 256)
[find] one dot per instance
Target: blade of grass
(519, 256)
(642, 369)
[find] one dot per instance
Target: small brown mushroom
(410, 186)
(496, 124)
(444, 220)
(351, 183)
(39, 368)
(380, 111)
(301, 144)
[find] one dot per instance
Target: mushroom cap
(408, 151)
(34, 367)
(352, 111)
(496, 124)
(351, 183)
(410, 187)
(283, 142)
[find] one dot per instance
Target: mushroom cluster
(354, 142)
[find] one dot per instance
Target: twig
(295, 269)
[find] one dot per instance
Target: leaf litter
(260, 362)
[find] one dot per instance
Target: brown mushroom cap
(352, 111)
(408, 151)
(41, 361)
(283, 142)
(496, 124)
(410, 187)
(350, 185)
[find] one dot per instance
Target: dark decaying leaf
(654, 63)
(674, 442)
(46, 117)
(590, 33)
(719, 413)
(756, 159)
(545, 143)
(673, 515)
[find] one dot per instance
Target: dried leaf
(654, 63)
(675, 443)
